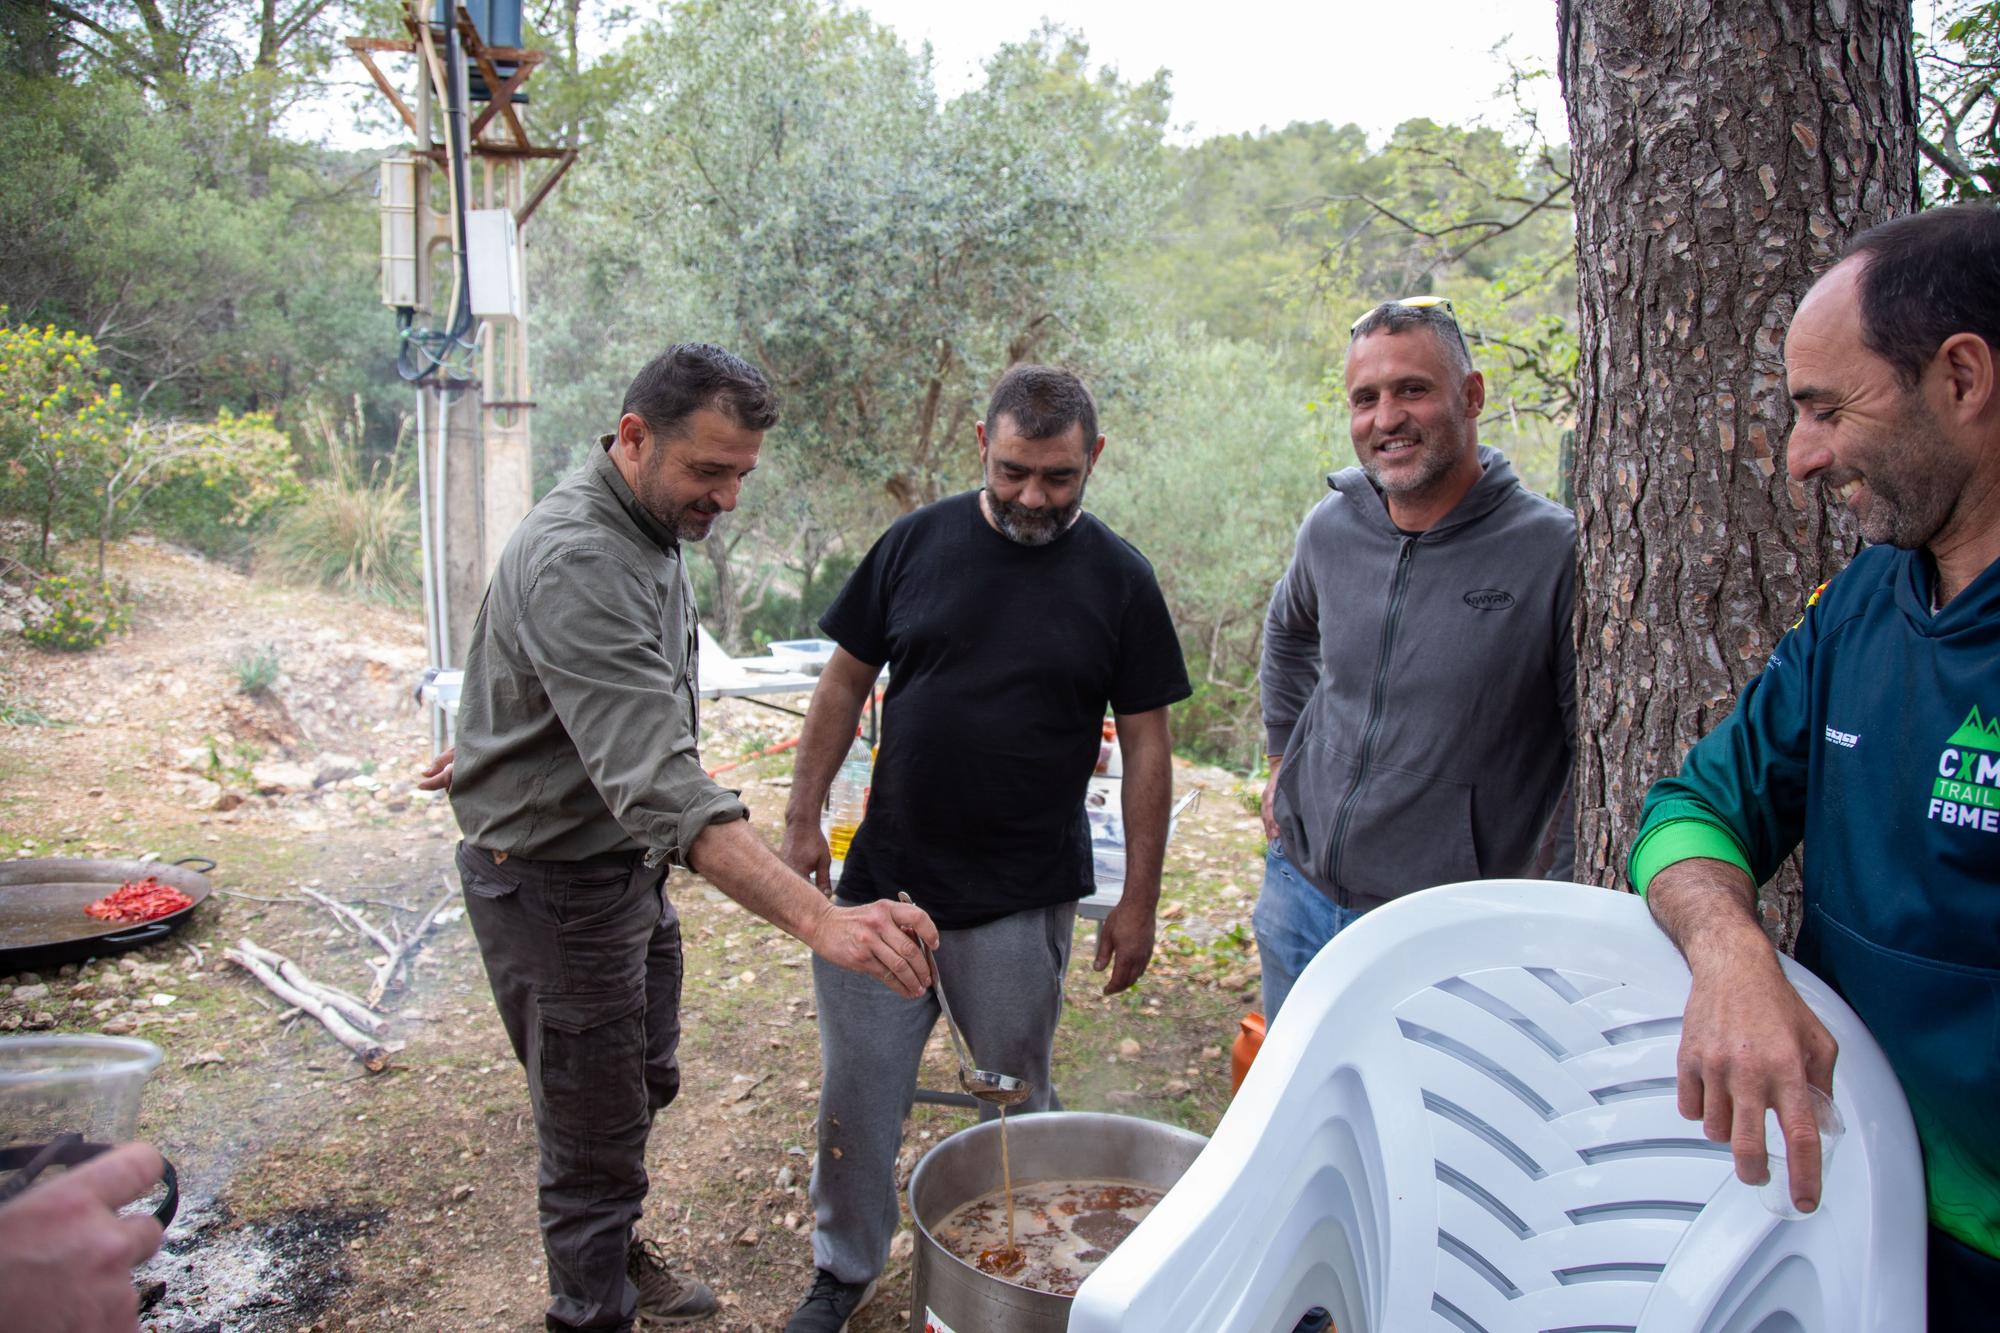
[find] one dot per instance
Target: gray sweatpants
(1004, 980)
(585, 963)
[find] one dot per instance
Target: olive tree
(790, 184)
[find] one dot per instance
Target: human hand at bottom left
(66, 1255)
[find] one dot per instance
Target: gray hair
(1395, 317)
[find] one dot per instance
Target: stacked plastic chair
(1464, 1121)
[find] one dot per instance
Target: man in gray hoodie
(1418, 673)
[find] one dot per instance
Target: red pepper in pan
(139, 900)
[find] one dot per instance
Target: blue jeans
(1293, 921)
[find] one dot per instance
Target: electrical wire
(425, 356)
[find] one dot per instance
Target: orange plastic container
(1249, 1037)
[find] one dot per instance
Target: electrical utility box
(493, 261)
(397, 204)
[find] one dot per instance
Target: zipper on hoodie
(1398, 587)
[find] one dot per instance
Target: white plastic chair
(1464, 1120)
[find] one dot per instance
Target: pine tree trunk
(1724, 152)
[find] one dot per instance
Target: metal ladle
(987, 1086)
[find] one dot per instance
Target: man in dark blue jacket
(1873, 736)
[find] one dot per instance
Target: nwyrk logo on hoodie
(1489, 599)
(1966, 793)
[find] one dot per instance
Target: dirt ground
(318, 1196)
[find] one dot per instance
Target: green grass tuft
(257, 671)
(354, 532)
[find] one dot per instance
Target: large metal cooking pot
(949, 1295)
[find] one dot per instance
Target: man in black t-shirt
(1012, 619)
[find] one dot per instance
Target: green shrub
(81, 616)
(233, 769)
(352, 537)
(76, 460)
(257, 671)
(58, 423)
(232, 477)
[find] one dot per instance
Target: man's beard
(1029, 526)
(1913, 482)
(1435, 458)
(688, 523)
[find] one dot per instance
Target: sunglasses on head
(1408, 303)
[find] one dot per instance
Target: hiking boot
(829, 1305)
(665, 1298)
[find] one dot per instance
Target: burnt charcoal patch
(261, 1276)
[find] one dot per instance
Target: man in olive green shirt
(577, 781)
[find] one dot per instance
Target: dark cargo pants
(585, 962)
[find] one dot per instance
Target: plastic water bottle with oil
(847, 803)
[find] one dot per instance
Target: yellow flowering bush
(58, 421)
(242, 463)
(75, 458)
(80, 615)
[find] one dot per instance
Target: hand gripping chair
(1464, 1121)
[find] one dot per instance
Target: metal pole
(424, 534)
(424, 550)
(441, 526)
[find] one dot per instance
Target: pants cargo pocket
(664, 971)
(481, 877)
(589, 1077)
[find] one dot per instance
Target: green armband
(1682, 840)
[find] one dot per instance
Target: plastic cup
(1776, 1193)
(85, 1084)
(65, 1099)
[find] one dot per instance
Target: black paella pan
(42, 922)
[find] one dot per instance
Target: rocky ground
(271, 729)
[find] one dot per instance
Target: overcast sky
(1246, 65)
(1250, 64)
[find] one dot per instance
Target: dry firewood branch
(352, 920)
(397, 949)
(406, 948)
(351, 1007)
(373, 1055)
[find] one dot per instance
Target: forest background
(191, 340)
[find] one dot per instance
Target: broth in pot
(1061, 1230)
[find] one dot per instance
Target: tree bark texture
(1725, 151)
